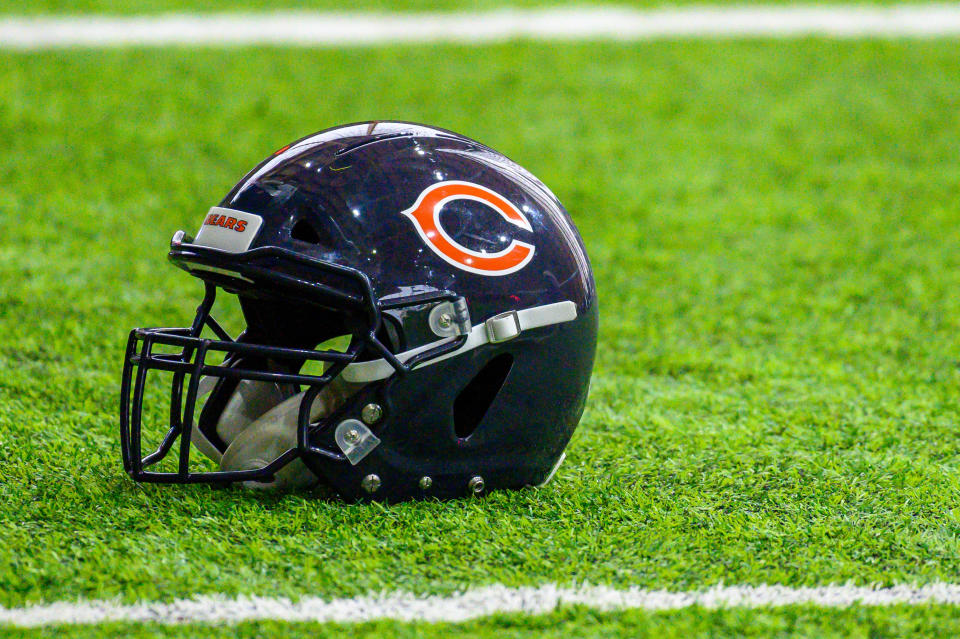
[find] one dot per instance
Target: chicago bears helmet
(461, 295)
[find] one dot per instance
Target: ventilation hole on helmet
(474, 400)
(305, 232)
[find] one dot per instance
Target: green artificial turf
(583, 623)
(128, 7)
(773, 228)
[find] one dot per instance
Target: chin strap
(499, 328)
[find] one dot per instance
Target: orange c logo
(425, 215)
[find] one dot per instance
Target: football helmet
(453, 286)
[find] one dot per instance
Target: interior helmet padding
(254, 443)
(248, 401)
(264, 440)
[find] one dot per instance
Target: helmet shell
(340, 196)
(353, 197)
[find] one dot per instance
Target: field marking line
(470, 604)
(611, 23)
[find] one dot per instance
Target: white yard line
(318, 29)
(470, 604)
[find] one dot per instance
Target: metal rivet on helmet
(371, 413)
(371, 483)
(476, 485)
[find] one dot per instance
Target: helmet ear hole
(476, 397)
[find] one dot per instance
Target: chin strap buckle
(503, 327)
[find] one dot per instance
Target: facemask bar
(189, 366)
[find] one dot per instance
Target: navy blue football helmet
(460, 291)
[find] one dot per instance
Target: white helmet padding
(259, 423)
(248, 401)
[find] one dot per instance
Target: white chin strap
(259, 423)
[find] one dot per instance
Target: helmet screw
(476, 485)
(425, 483)
(371, 413)
(352, 436)
(445, 321)
(371, 483)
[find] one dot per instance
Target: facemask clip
(355, 440)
